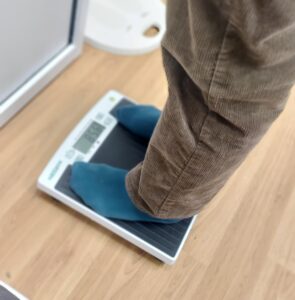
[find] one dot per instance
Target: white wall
(31, 33)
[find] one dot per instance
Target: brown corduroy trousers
(230, 66)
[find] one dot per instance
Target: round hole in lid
(151, 31)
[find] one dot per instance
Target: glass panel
(32, 33)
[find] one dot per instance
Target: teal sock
(102, 188)
(139, 119)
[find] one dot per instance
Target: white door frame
(36, 83)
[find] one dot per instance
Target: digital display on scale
(89, 137)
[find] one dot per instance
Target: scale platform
(98, 138)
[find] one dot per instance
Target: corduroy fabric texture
(230, 66)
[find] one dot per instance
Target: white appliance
(119, 26)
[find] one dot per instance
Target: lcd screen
(89, 137)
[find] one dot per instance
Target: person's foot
(102, 188)
(139, 119)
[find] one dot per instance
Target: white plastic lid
(119, 26)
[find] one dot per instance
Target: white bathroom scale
(98, 138)
(9, 293)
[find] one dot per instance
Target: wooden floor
(241, 248)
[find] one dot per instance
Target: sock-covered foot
(139, 119)
(102, 188)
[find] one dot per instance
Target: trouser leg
(229, 76)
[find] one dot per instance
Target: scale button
(100, 116)
(108, 121)
(79, 157)
(70, 153)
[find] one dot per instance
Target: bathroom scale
(8, 293)
(99, 138)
